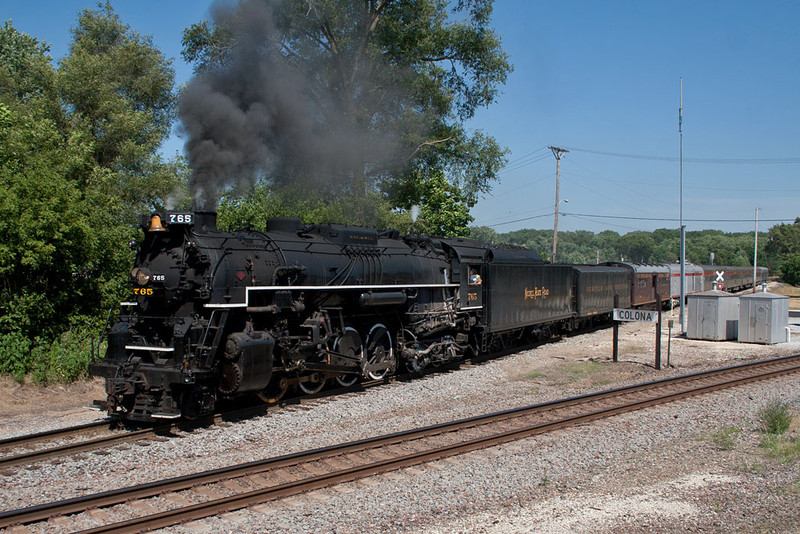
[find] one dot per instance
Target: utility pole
(557, 153)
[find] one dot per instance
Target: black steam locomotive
(219, 314)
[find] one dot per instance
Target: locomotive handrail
(246, 303)
(151, 348)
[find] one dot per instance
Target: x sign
(719, 276)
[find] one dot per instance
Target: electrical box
(763, 318)
(712, 315)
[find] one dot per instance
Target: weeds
(775, 417)
(545, 480)
(725, 438)
(584, 369)
(756, 468)
(784, 450)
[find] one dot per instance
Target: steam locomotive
(216, 314)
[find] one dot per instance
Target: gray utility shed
(763, 318)
(713, 316)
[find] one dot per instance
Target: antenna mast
(683, 227)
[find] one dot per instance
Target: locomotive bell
(155, 224)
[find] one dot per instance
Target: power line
(520, 163)
(520, 220)
(717, 161)
(491, 195)
(588, 216)
(500, 220)
(526, 155)
(626, 217)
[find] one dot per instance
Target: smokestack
(205, 221)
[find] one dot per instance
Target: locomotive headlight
(142, 276)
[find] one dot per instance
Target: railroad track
(88, 437)
(37, 449)
(223, 490)
(98, 435)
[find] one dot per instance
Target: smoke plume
(263, 112)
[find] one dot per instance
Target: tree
(263, 200)
(637, 246)
(444, 209)
(119, 88)
(782, 241)
(46, 243)
(77, 160)
(351, 97)
(484, 234)
(790, 269)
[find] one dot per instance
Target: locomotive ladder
(214, 330)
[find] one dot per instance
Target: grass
(533, 375)
(781, 448)
(584, 369)
(725, 438)
(775, 417)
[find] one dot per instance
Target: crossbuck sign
(644, 316)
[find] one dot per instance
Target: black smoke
(264, 112)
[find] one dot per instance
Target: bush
(64, 360)
(775, 417)
(15, 352)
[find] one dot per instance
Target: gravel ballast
(664, 469)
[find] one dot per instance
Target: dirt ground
(18, 400)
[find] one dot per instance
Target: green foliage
(790, 270)
(484, 234)
(77, 161)
(775, 417)
(444, 208)
(782, 251)
(15, 354)
(64, 360)
(783, 241)
(48, 250)
(264, 200)
(120, 86)
(781, 448)
(660, 246)
(398, 78)
(637, 246)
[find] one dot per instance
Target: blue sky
(601, 79)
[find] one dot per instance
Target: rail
(301, 472)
